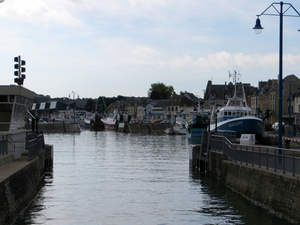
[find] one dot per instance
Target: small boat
(169, 130)
(110, 121)
(179, 127)
(235, 116)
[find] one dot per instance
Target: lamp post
(258, 28)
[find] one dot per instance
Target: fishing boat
(110, 121)
(179, 127)
(197, 122)
(236, 116)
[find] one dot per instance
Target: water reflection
(228, 207)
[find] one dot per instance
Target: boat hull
(241, 125)
(109, 124)
(196, 132)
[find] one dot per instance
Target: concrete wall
(19, 189)
(138, 128)
(274, 191)
(5, 159)
(147, 128)
(158, 127)
(57, 127)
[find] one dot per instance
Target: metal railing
(3, 145)
(277, 159)
(34, 143)
(15, 147)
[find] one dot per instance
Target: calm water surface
(116, 178)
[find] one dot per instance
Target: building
(156, 110)
(216, 95)
(180, 105)
(14, 105)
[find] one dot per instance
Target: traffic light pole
(19, 70)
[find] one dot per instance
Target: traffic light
(19, 70)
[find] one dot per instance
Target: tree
(160, 91)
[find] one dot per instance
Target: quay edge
(278, 193)
(20, 182)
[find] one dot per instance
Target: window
(3, 98)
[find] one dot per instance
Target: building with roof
(180, 104)
(156, 109)
(216, 95)
(265, 101)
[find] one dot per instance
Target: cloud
(38, 11)
(126, 52)
(223, 60)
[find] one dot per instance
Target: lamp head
(1, 1)
(258, 28)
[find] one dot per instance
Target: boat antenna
(234, 75)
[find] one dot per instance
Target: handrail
(33, 142)
(3, 145)
(31, 114)
(258, 155)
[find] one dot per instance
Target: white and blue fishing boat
(236, 117)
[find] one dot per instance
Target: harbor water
(116, 178)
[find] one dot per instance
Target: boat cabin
(234, 108)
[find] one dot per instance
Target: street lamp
(258, 28)
(1, 1)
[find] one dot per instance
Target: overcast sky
(120, 47)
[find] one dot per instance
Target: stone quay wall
(146, 128)
(277, 192)
(20, 188)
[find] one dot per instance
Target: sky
(92, 48)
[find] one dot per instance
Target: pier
(24, 156)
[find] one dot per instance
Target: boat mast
(234, 79)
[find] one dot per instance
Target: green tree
(160, 91)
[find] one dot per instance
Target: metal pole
(280, 81)
(290, 103)
(74, 106)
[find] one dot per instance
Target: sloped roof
(159, 102)
(180, 100)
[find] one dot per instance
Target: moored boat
(110, 121)
(197, 123)
(179, 127)
(235, 116)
